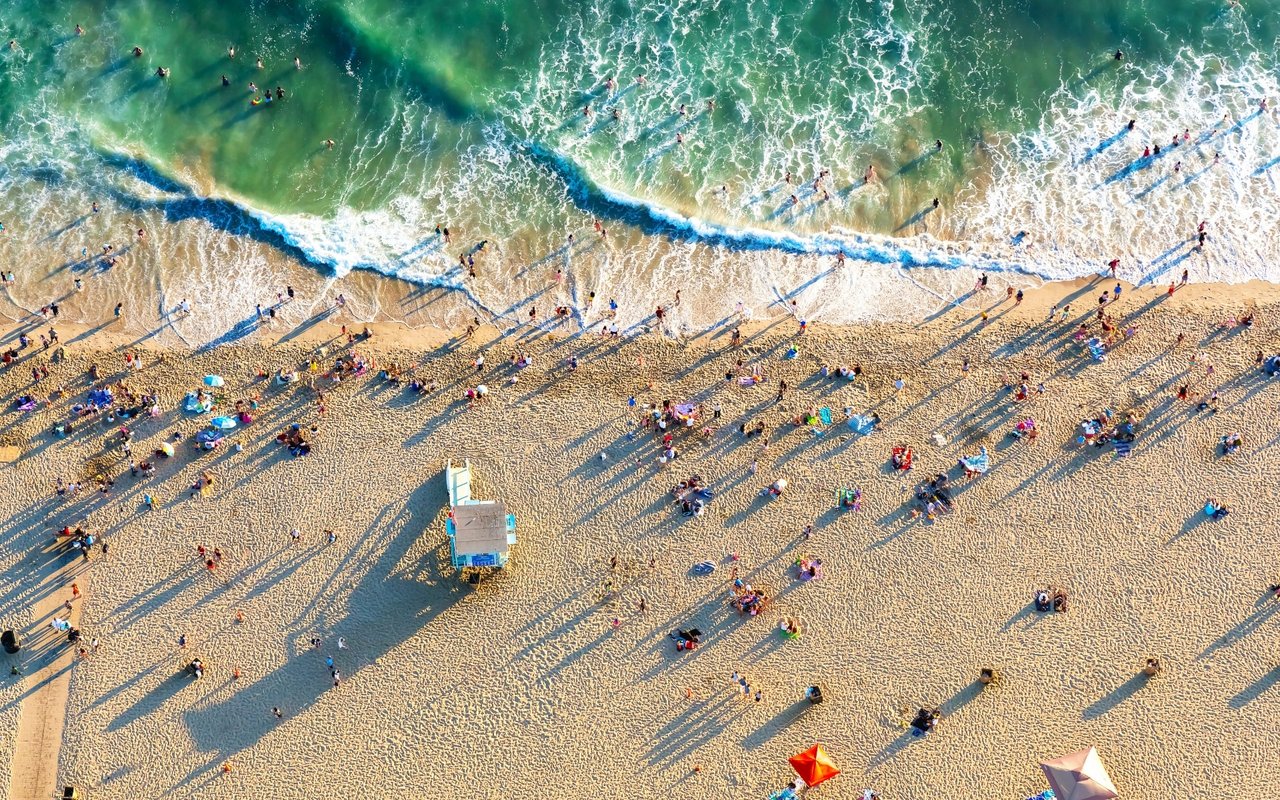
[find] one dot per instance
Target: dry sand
(523, 687)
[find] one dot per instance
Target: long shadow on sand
(237, 721)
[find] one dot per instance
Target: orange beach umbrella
(814, 765)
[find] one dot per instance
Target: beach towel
(849, 498)
(979, 463)
(862, 424)
(194, 405)
(1097, 349)
(824, 414)
(1122, 448)
(703, 568)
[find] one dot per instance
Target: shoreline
(317, 329)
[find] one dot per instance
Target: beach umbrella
(167, 448)
(225, 423)
(213, 380)
(1079, 776)
(814, 765)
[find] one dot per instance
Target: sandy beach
(548, 680)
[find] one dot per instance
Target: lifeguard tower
(481, 532)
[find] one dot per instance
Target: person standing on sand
(119, 312)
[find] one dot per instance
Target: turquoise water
(471, 115)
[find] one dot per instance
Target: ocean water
(472, 115)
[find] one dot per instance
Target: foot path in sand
(48, 659)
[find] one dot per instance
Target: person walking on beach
(119, 312)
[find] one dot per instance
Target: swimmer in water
(870, 175)
(1132, 122)
(279, 92)
(683, 110)
(610, 83)
(711, 106)
(328, 143)
(226, 81)
(231, 51)
(163, 72)
(79, 31)
(640, 81)
(787, 177)
(795, 200)
(586, 111)
(679, 138)
(1119, 56)
(616, 113)
(137, 52)
(297, 63)
(259, 63)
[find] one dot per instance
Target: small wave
(657, 220)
